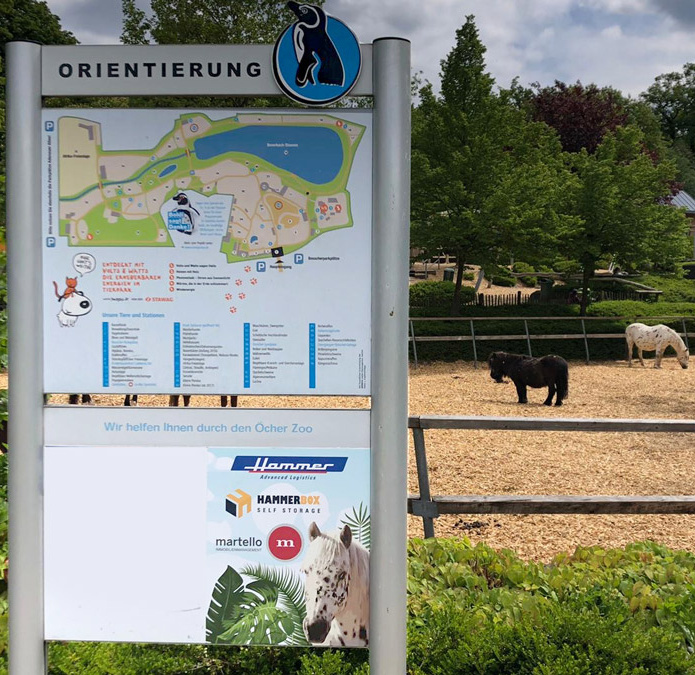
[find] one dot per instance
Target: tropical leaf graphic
(291, 594)
(269, 610)
(360, 523)
(225, 604)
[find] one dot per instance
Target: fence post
(685, 333)
(412, 335)
(423, 482)
(475, 349)
(586, 342)
(528, 338)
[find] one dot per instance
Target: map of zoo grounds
(287, 176)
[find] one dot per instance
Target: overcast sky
(623, 43)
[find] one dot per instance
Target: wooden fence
(475, 338)
(429, 507)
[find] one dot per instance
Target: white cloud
(622, 43)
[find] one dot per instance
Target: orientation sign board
(219, 530)
(207, 252)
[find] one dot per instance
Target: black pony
(525, 371)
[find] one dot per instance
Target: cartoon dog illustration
(188, 212)
(73, 306)
(312, 45)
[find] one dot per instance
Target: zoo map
(287, 176)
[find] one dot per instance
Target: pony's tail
(562, 381)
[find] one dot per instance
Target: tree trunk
(587, 273)
(456, 300)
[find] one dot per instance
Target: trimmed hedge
(522, 267)
(434, 298)
(476, 611)
(608, 349)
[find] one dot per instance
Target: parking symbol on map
(50, 125)
(50, 242)
(260, 266)
(298, 258)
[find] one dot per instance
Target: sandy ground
(503, 462)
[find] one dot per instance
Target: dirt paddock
(506, 462)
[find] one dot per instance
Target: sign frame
(387, 78)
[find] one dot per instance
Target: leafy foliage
(360, 522)
(251, 614)
(581, 115)
(434, 298)
(486, 182)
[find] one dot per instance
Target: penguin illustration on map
(188, 213)
(313, 45)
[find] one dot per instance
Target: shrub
(522, 267)
(468, 276)
(434, 298)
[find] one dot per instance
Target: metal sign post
(34, 71)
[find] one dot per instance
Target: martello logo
(238, 503)
(316, 59)
(285, 542)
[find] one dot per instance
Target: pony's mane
(330, 547)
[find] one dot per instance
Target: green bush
(522, 267)
(434, 298)
(476, 611)
(675, 288)
(468, 276)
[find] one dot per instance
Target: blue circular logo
(317, 59)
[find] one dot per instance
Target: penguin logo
(317, 59)
(184, 217)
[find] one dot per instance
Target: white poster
(207, 252)
(154, 542)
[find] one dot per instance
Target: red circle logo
(285, 542)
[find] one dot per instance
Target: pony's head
(683, 357)
(76, 304)
(497, 363)
(327, 569)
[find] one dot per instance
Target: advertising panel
(207, 252)
(249, 545)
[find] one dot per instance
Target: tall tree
(205, 21)
(618, 199)
(581, 115)
(23, 20)
(486, 182)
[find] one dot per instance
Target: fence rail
(429, 507)
(528, 336)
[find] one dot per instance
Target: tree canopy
(486, 181)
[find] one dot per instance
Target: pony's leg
(186, 401)
(74, 399)
(639, 353)
(521, 392)
(173, 401)
(629, 353)
(552, 389)
(657, 358)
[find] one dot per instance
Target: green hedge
(434, 298)
(476, 611)
(608, 349)
(521, 268)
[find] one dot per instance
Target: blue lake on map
(167, 171)
(312, 153)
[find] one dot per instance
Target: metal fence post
(25, 340)
(586, 341)
(528, 338)
(412, 335)
(389, 417)
(427, 510)
(475, 349)
(685, 334)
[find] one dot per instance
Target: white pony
(73, 306)
(655, 338)
(336, 589)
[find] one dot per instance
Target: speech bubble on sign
(84, 263)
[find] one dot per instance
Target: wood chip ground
(506, 462)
